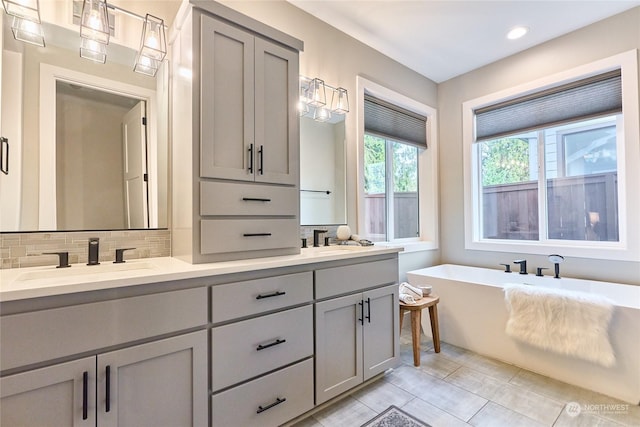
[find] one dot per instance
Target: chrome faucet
(94, 251)
(523, 265)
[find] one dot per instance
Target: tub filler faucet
(523, 265)
(556, 260)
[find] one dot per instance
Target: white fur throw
(566, 322)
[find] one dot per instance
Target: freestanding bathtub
(473, 315)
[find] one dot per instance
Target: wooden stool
(430, 301)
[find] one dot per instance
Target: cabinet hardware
(274, 294)
(276, 342)
(368, 310)
(277, 402)
(250, 158)
(107, 400)
(361, 319)
(4, 155)
(261, 153)
(85, 395)
(256, 234)
(255, 199)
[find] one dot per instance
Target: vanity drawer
(353, 278)
(260, 295)
(260, 345)
(239, 235)
(39, 336)
(268, 401)
(231, 198)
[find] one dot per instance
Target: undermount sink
(83, 270)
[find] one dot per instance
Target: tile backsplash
(25, 249)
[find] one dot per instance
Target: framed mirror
(88, 141)
(322, 171)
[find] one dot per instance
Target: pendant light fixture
(153, 46)
(26, 25)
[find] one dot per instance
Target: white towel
(406, 298)
(566, 322)
(406, 288)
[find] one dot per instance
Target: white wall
(600, 40)
(337, 59)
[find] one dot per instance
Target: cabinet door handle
(107, 400)
(256, 234)
(368, 310)
(85, 395)
(4, 155)
(273, 294)
(276, 342)
(361, 319)
(277, 402)
(261, 153)
(255, 199)
(250, 158)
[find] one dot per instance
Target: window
(392, 165)
(397, 175)
(545, 165)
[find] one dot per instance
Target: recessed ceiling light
(517, 32)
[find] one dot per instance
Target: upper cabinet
(248, 90)
(236, 137)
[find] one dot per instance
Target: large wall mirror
(88, 141)
(322, 171)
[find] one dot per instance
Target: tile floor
(457, 387)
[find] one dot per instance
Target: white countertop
(35, 282)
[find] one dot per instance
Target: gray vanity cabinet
(161, 383)
(51, 396)
(248, 124)
(128, 361)
(356, 334)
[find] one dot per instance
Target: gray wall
(600, 40)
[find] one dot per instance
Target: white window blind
(587, 98)
(396, 123)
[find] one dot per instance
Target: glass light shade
(322, 114)
(146, 65)
(153, 44)
(26, 9)
(317, 93)
(303, 107)
(93, 50)
(340, 101)
(27, 31)
(94, 22)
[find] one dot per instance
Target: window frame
(628, 134)
(428, 207)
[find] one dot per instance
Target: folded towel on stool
(406, 298)
(406, 288)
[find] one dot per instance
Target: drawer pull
(107, 400)
(85, 395)
(274, 294)
(277, 402)
(256, 234)
(276, 342)
(255, 199)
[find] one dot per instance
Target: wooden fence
(510, 211)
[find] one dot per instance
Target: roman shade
(586, 98)
(393, 122)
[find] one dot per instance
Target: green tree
(505, 161)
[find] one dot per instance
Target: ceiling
(441, 39)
